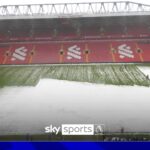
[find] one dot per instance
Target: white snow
(145, 70)
(30, 109)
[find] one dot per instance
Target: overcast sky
(6, 2)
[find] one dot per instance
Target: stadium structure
(96, 42)
(74, 33)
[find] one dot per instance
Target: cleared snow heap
(99, 74)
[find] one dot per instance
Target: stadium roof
(73, 10)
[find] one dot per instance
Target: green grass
(98, 74)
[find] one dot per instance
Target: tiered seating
(87, 33)
(74, 52)
(65, 43)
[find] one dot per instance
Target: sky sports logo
(76, 129)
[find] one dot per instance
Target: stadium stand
(76, 39)
(74, 52)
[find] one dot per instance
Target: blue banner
(74, 146)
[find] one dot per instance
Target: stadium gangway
(71, 10)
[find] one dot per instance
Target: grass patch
(99, 74)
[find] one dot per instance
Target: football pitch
(99, 93)
(114, 74)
